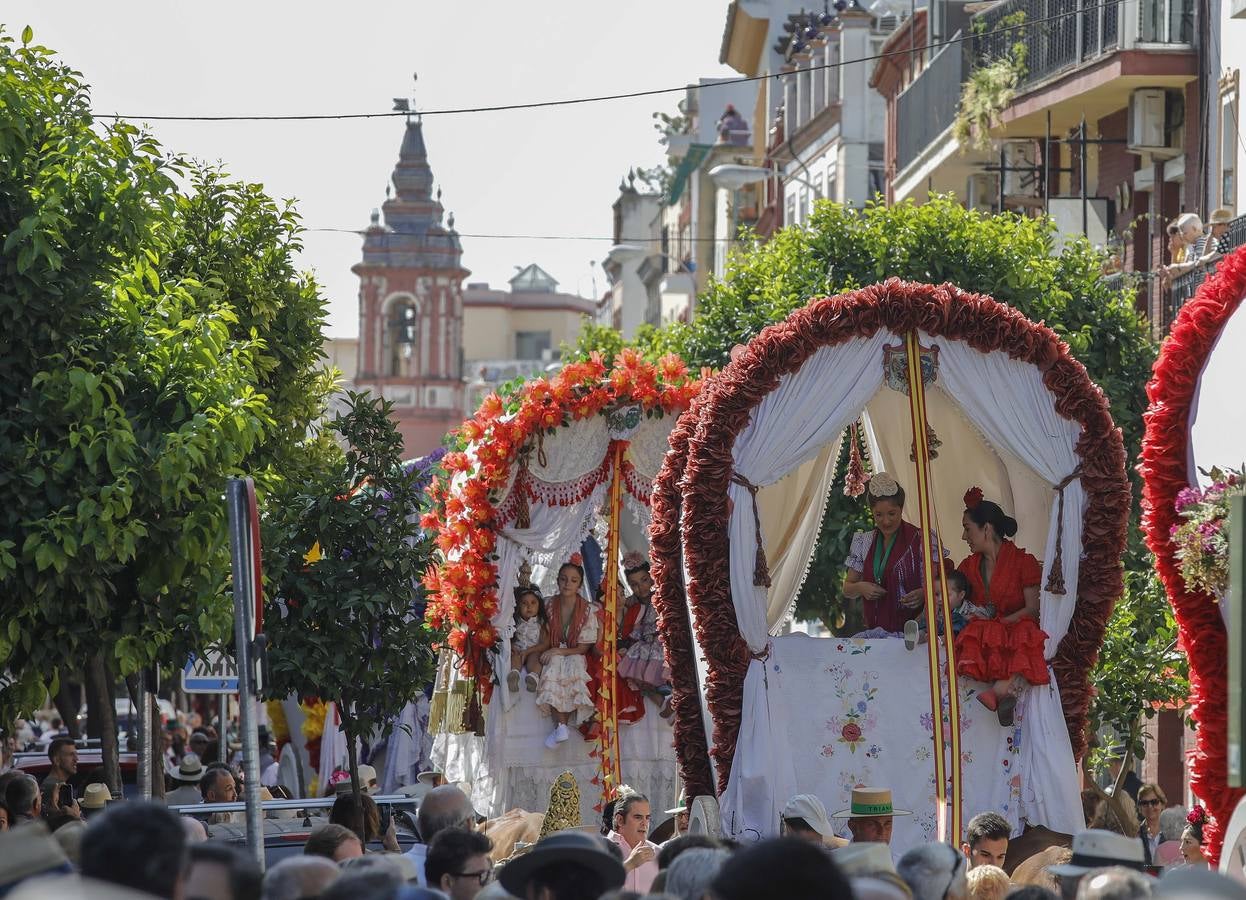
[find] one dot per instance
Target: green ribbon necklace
(880, 563)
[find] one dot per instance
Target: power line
(576, 101)
(538, 237)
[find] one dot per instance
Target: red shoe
(989, 699)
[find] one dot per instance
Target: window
(804, 204)
(789, 212)
(1228, 141)
(401, 332)
(818, 193)
(530, 344)
(832, 180)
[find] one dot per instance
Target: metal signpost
(244, 548)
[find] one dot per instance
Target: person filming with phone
(64, 756)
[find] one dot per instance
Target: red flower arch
(1164, 468)
(691, 494)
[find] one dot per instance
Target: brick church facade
(411, 304)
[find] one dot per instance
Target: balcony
(927, 107)
(1063, 35)
(1186, 286)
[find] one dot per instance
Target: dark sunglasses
(482, 877)
(1155, 802)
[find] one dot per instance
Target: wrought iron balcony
(927, 107)
(1062, 35)
(1184, 287)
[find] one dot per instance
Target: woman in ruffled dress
(563, 685)
(884, 565)
(642, 663)
(1006, 651)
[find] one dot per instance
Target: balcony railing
(1186, 286)
(928, 106)
(1061, 35)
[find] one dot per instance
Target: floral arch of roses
(690, 496)
(462, 587)
(1164, 468)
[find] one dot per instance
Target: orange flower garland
(462, 589)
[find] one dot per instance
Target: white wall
(1226, 53)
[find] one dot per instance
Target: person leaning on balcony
(1217, 244)
(1185, 243)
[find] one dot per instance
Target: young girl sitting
(642, 662)
(531, 638)
(960, 598)
(562, 689)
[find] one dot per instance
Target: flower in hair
(576, 559)
(1197, 816)
(634, 559)
(973, 497)
(883, 485)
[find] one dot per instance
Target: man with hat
(1095, 848)
(804, 817)
(186, 776)
(680, 812)
(567, 865)
(95, 799)
(870, 814)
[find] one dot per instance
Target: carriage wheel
(703, 817)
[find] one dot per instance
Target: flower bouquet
(1201, 538)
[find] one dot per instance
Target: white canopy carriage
(761, 717)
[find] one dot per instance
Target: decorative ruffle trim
(530, 489)
(691, 491)
(1164, 468)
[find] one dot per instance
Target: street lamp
(625, 253)
(733, 177)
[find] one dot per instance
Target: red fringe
(691, 492)
(1165, 447)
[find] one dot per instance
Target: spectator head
(64, 756)
(869, 861)
(362, 817)
(1151, 803)
(934, 872)
(1114, 883)
(691, 875)
(444, 807)
(1033, 892)
(137, 845)
(987, 882)
(1095, 849)
(458, 863)
(218, 786)
(95, 799)
(1219, 220)
(335, 842)
(804, 817)
(400, 862)
(370, 883)
(299, 877)
(221, 872)
(27, 852)
(783, 867)
(675, 846)
(567, 865)
(986, 840)
(22, 797)
(198, 743)
(1187, 883)
(1190, 226)
(632, 816)
(1172, 822)
(4, 818)
(196, 832)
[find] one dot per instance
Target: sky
(532, 172)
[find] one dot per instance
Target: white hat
(1095, 848)
(681, 805)
(190, 768)
(809, 808)
(864, 858)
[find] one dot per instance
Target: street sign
(211, 673)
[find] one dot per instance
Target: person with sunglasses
(1151, 802)
(458, 863)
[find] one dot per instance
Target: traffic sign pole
(244, 550)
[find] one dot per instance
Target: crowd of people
(135, 849)
(1192, 246)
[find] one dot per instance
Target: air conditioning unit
(982, 191)
(1154, 117)
(1021, 176)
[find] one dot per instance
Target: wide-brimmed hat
(1221, 216)
(190, 768)
(809, 808)
(1095, 848)
(367, 774)
(681, 805)
(864, 858)
(558, 849)
(868, 802)
(95, 796)
(429, 776)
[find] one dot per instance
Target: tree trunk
(100, 703)
(157, 751)
(67, 708)
(352, 754)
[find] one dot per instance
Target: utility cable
(575, 101)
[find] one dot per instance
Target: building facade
(411, 304)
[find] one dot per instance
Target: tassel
(761, 569)
(523, 515)
(1055, 578)
(854, 480)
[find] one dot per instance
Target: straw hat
(96, 796)
(868, 802)
(1221, 216)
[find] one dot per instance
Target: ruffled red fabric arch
(1164, 468)
(691, 494)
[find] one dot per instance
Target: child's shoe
(530, 682)
(512, 681)
(910, 634)
(561, 733)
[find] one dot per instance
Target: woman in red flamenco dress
(1005, 651)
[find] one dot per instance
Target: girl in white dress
(531, 638)
(562, 687)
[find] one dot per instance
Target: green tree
(350, 629)
(146, 361)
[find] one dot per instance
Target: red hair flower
(1197, 816)
(973, 497)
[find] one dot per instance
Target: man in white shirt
(631, 832)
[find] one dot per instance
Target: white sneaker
(530, 682)
(910, 634)
(561, 734)
(552, 740)
(512, 681)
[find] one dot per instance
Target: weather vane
(407, 104)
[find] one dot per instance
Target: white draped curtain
(1008, 403)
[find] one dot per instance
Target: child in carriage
(960, 598)
(530, 640)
